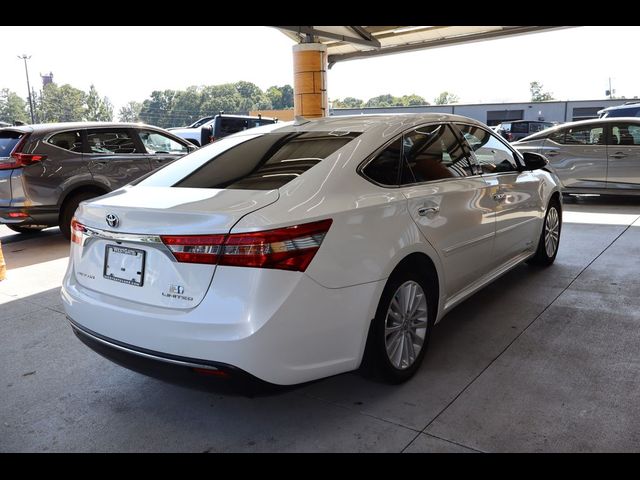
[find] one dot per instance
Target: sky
(128, 63)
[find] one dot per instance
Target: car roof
(52, 127)
(592, 121)
(362, 123)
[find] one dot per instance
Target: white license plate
(124, 265)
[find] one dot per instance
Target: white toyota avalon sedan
(292, 252)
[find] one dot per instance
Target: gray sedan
(592, 156)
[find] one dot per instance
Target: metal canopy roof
(348, 43)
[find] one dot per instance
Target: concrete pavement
(541, 360)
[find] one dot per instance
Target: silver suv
(629, 109)
(46, 170)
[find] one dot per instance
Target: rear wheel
(400, 331)
(550, 237)
(24, 228)
(69, 209)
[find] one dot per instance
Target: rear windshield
(261, 162)
(8, 141)
(519, 128)
(623, 112)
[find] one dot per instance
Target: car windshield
(251, 162)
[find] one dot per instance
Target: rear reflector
(289, 248)
(211, 372)
(18, 215)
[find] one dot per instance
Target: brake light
(18, 159)
(212, 139)
(77, 229)
(289, 248)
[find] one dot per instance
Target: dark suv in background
(219, 126)
(629, 109)
(46, 170)
(518, 129)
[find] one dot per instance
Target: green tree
(130, 112)
(281, 97)
(61, 104)
(12, 107)
(252, 97)
(386, 100)
(287, 96)
(537, 95)
(348, 102)
(98, 109)
(413, 99)
(445, 98)
(157, 109)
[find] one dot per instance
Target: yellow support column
(3, 267)
(310, 80)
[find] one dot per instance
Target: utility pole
(25, 58)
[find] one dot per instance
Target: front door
(515, 194)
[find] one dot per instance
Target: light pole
(25, 58)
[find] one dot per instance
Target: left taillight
(77, 229)
(17, 159)
(288, 248)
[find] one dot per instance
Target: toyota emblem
(112, 220)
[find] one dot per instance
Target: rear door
(115, 156)
(623, 153)
(448, 202)
(160, 148)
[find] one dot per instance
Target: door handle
(424, 211)
(499, 196)
(618, 155)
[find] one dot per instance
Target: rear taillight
(18, 215)
(18, 159)
(77, 229)
(289, 248)
(212, 139)
(509, 136)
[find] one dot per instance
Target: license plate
(124, 265)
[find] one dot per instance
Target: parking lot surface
(542, 360)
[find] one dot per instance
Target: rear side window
(71, 141)
(583, 135)
(385, 167)
(520, 128)
(232, 125)
(265, 162)
(111, 141)
(8, 141)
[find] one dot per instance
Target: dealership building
(494, 113)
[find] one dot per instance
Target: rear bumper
(45, 216)
(283, 329)
(190, 372)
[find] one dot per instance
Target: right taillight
(288, 248)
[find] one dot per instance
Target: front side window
(492, 155)
(111, 141)
(156, 142)
(432, 153)
(71, 141)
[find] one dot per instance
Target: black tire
(69, 209)
(543, 255)
(23, 228)
(376, 361)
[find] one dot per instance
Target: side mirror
(534, 161)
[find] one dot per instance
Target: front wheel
(400, 331)
(550, 237)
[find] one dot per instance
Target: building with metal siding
(494, 113)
